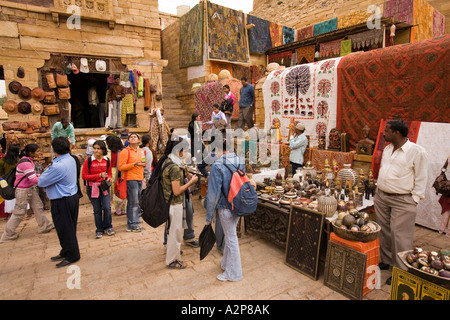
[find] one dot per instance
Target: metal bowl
(360, 236)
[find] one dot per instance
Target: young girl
(216, 115)
(26, 192)
(94, 174)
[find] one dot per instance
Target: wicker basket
(361, 236)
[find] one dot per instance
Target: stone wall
(299, 14)
(130, 31)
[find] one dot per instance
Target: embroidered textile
(288, 35)
(304, 93)
(227, 35)
(330, 48)
(305, 54)
(191, 37)
(276, 34)
(438, 24)
(305, 33)
(259, 35)
(325, 26)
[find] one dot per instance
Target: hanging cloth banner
(346, 47)
(372, 38)
(305, 33)
(330, 48)
(306, 53)
(325, 26)
(276, 34)
(288, 35)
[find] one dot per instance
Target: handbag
(51, 109)
(64, 93)
(50, 97)
(441, 184)
(120, 185)
(105, 185)
(61, 80)
(50, 80)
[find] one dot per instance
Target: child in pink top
(26, 192)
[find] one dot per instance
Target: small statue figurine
(365, 145)
(276, 127)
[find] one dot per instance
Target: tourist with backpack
(174, 188)
(132, 162)
(26, 192)
(217, 198)
(8, 162)
(98, 177)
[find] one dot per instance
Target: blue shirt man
(297, 145)
(60, 180)
(246, 103)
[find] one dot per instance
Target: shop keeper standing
(401, 185)
(246, 103)
(132, 162)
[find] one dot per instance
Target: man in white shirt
(401, 185)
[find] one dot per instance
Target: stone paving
(132, 266)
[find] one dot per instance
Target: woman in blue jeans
(132, 162)
(217, 198)
(97, 168)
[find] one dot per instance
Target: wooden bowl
(360, 236)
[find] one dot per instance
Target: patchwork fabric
(191, 37)
(305, 33)
(227, 35)
(389, 83)
(325, 26)
(304, 93)
(259, 35)
(204, 98)
(438, 24)
(288, 35)
(276, 34)
(401, 10)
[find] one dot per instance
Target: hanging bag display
(50, 97)
(61, 80)
(50, 80)
(441, 184)
(64, 93)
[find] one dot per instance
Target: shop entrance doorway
(83, 114)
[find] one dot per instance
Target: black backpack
(154, 207)
(9, 192)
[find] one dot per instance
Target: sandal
(177, 265)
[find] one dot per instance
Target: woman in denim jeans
(132, 163)
(216, 198)
(98, 170)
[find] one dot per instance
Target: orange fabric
(132, 172)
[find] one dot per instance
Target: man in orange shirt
(132, 163)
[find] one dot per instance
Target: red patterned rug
(410, 81)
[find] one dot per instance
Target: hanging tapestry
(371, 39)
(276, 34)
(304, 93)
(288, 35)
(226, 34)
(305, 54)
(282, 58)
(346, 47)
(191, 37)
(259, 35)
(257, 73)
(235, 88)
(401, 10)
(204, 98)
(325, 26)
(305, 33)
(240, 71)
(438, 24)
(357, 17)
(330, 49)
(422, 21)
(389, 83)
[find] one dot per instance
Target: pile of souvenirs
(320, 190)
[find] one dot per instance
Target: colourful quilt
(401, 10)
(259, 35)
(227, 35)
(305, 33)
(191, 37)
(276, 34)
(325, 26)
(204, 97)
(304, 93)
(438, 24)
(391, 83)
(288, 35)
